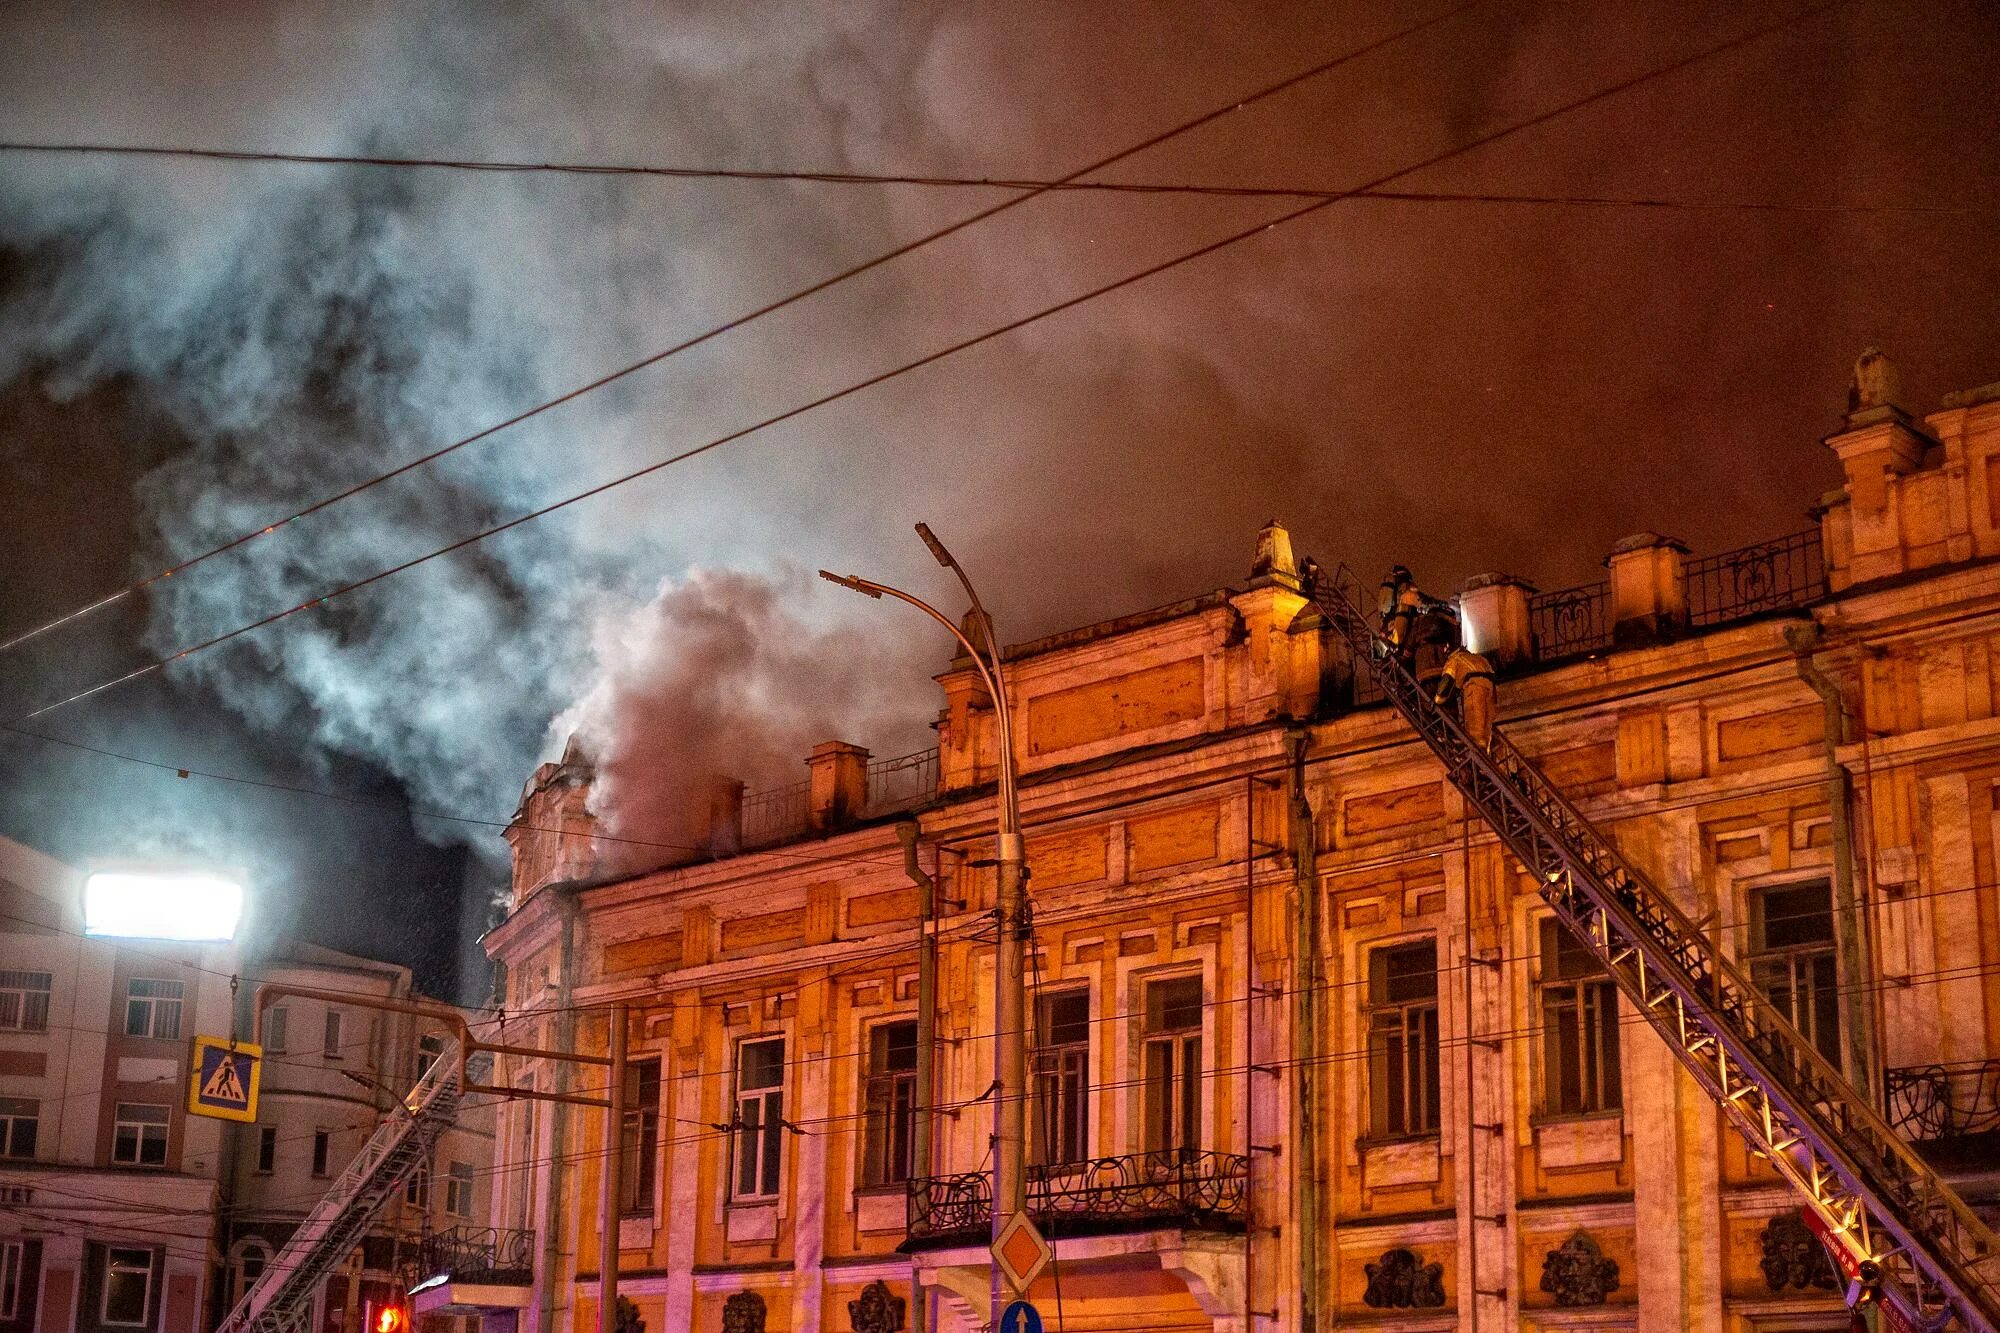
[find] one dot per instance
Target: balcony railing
(1955, 1107)
(1770, 576)
(1200, 1190)
(488, 1256)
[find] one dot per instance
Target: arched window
(247, 1259)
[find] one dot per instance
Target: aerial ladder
(1899, 1232)
(281, 1300)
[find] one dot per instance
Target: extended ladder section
(281, 1301)
(1879, 1201)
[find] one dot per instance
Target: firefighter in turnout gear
(1398, 605)
(1467, 683)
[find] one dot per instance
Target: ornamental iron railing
(491, 1255)
(1200, 1190)
(1770, 576)
(775, 814)
(1944, 1102)
(1570, 622)
(899, 783)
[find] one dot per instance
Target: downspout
(1850, 926)
(920, 1136)
(1305, 1032)
(552, 1251)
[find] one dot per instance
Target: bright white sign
(162, 905)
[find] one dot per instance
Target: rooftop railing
(775, 814)
(1571, 622)
(899, 783)
(1770, 576)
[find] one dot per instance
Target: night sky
(191, 350)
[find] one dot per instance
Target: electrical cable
(503, 166)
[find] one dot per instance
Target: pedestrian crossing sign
(223, 1082)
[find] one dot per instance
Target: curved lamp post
(1010, 994)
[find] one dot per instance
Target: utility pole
(1010, 1037)
(614, 1179)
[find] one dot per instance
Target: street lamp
(1010, 992)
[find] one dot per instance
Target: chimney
(839, 785)
(1493, 618)
(725, 816)
(1648, 588)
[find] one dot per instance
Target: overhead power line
(943, 353)
(687, 344)
(257, 156)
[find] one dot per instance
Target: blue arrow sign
(1020, 1317)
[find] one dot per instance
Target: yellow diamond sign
(1020, 1252)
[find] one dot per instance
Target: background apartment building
(119, 1211)
(1307, 1046)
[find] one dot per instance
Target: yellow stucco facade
(1308, 1054)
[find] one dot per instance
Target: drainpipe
(552, 1251)
(1850, 927)
(1305, 1032)
(920, 1137)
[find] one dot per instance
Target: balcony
(468, 1270)
(1201, 1191)
(1951, 1112)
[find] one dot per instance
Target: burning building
(1307, 1044)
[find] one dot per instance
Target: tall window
(249, 1266)
(139, 1135)
(429, 1047)
(1172, 1061)
(24, 1001)
(20, 1123)
(322, 1149)
(760, 1114)
(891, 1104)
(458, 1189)
(128, 1286)
(1793, 960)
(417, 1186)
(642, 1135)
(330, 1048)
(1403, 1040)
(1060, 1132)
(267, 1149)
(13, 1272)
(274, 1031)
(1579, 1028)
(153, 1008)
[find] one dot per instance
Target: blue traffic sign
(1020, 1317)
(223, 1080)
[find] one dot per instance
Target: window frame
(888, 1108)
(13, 1277)
(1394, 1030)
(1171, 1072)
(267, 1150)
(639, 1137)
(119, 1122)
(322, 1158)
(1801, 999)
(430, 1049)
(14, 1113)
(458, 1189)
(111, 1270)
(1059, 1077)
(155, 1006)
(763, 1137)
(1590, 997)
(330, 1045)
(276, 1023)
(23, 1014)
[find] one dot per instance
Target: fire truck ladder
(1879, 1202)
(281, 1301)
